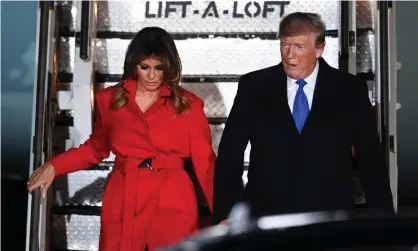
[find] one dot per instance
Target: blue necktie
(300, 106)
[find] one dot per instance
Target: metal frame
(29, 220)
(80, 99)
(347, 57)
(392, 58)
(65, 32)
(38, 219)
(352, 37)
(344, 30)
(384, 77)
(385, 88)
(82, 87)
(38, 236)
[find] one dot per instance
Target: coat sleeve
(92, 152)
(374, 175)
(228, 183)
(201, 151)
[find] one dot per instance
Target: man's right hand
(43, 176)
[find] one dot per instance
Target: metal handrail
(384, 77)
(84, 34)
(38, 153)
(41, 142)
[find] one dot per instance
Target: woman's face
(150, 74)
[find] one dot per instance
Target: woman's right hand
(43, 176)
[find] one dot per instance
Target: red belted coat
(140, 206)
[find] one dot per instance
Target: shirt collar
(310, 80)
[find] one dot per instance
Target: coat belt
(129, 166)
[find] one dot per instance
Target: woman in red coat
(151, 124)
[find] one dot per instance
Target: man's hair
(300, 23)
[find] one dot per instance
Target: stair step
(59, 249)
(66, 77)
(66, 32)
(256, 53)
(81, 192)
(80, 188)
(77, 209)
(96, 210)
(75, 232)
(130, 16)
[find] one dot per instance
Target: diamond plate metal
(365, 14)
(218, 97)
(80, 188)
(215, 56)
(200, 56)
(366, 52)
(68, 14)
(130, 16)
(75, 232)
(66, 54)
(217, 131)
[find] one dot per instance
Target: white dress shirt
(309, 88)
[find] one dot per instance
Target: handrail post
(37, 205)
(85, 30)
(37, 146)
(384, 78)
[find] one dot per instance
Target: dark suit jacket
(291, 172)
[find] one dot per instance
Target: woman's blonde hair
(152, 42)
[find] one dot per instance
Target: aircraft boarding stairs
(215, 51)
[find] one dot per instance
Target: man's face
(299, 55)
